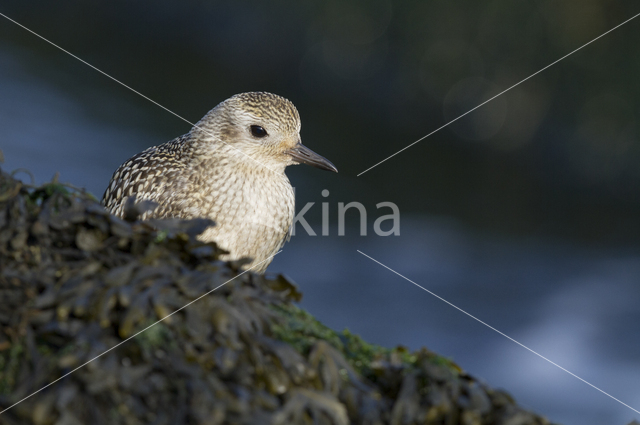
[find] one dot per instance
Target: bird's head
(258, 128)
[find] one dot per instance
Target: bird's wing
(152, 174)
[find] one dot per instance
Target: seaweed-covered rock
(76, 282)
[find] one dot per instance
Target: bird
(230, 168)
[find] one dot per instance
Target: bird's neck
(212, 157)
(233, 181)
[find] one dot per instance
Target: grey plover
(229, 168)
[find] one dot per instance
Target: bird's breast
(253, 215)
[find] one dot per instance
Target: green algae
(9, 364)
(301, 330)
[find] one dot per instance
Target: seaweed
(76, 281)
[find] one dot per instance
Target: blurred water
(574, 305)
(47, 131)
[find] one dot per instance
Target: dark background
(525, 213)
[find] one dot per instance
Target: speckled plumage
(221, 170)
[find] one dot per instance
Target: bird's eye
(258, 131)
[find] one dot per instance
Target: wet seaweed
(75, 281)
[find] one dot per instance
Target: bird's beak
(303, 155)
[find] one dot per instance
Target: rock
(75, 282)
